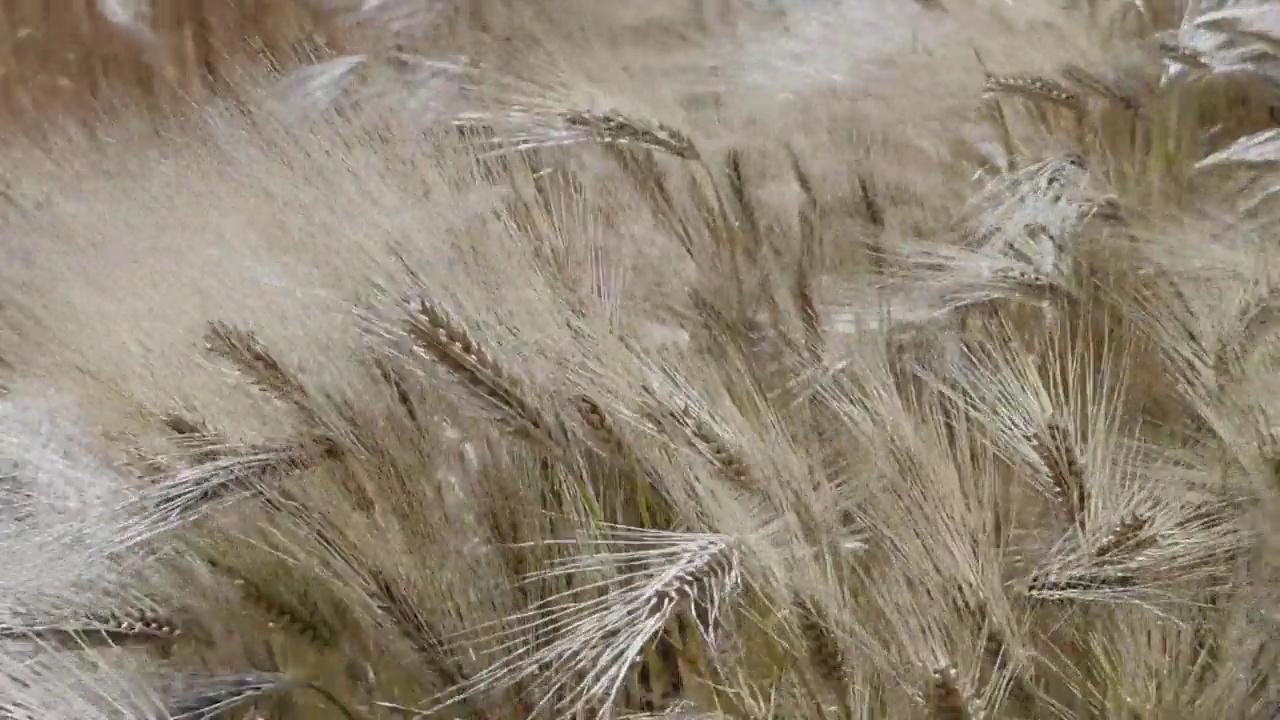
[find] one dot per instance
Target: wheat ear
(129, 627)
(700, 426)
(1128, 538)
(1065, 471)
(808, 260)
(822, 645)
(1092, 83)
(194, 491)
(243, 349)
(1034, 88)
(594, 642)
(444, 340)
(614, 127)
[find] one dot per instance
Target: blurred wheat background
(566, 359)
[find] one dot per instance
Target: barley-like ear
(1089, 81)
(823, 647)
(593, 640)
(110, 629)
(243, 349)
(540, 127)
(1057, 452)
(441, 338)
(1127, 538)
(614, 127)
(1034, 88)
(194, 491)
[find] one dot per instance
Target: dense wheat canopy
(563, 359)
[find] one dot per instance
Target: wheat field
(714, 360)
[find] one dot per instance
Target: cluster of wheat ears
(743, 361)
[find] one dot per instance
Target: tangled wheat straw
(733, 361)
